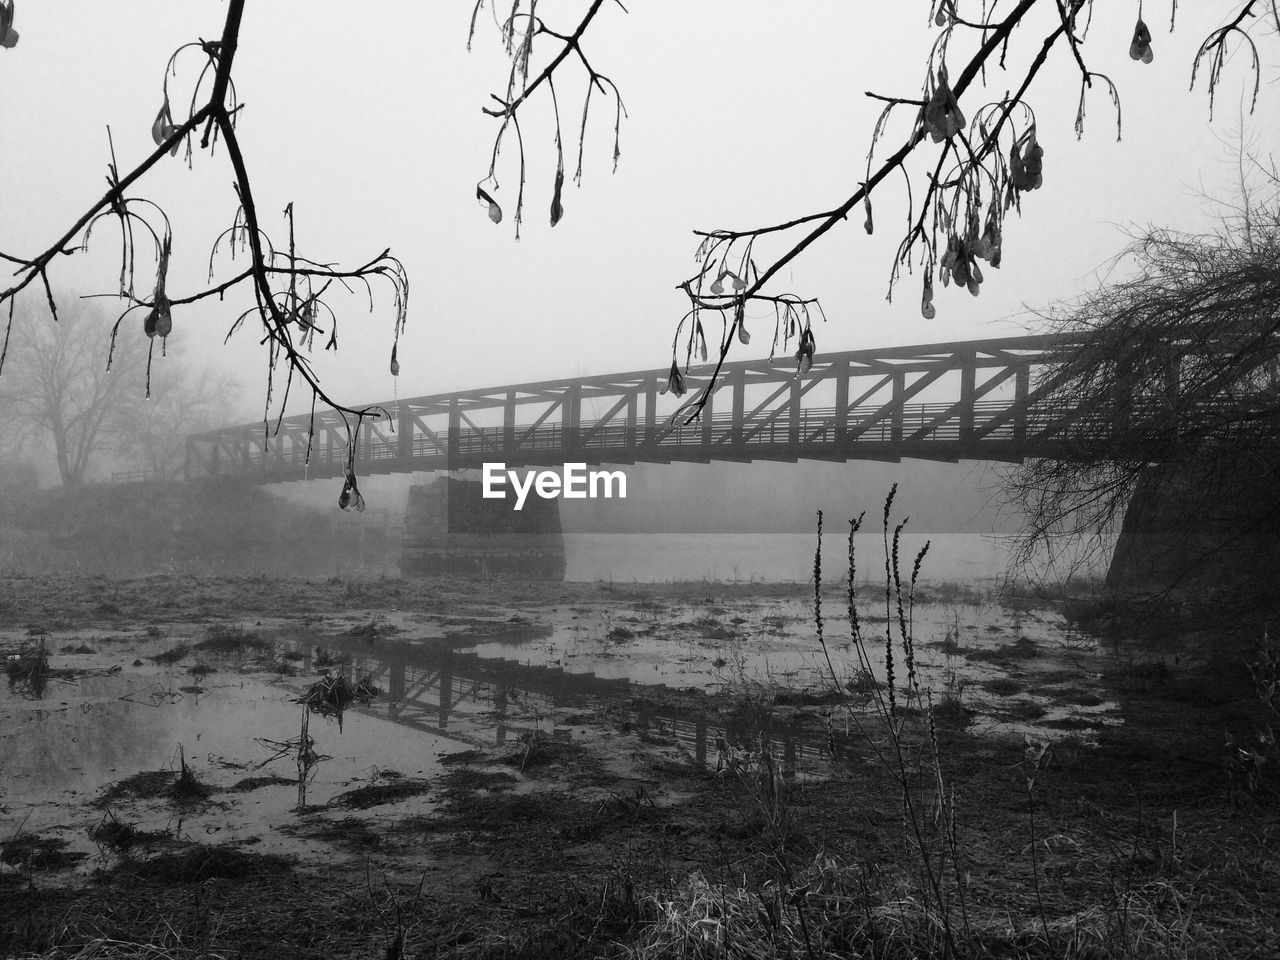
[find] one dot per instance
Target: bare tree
(1170, 408)
(183, 400)
(62, 390)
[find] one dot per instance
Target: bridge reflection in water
(481, 702)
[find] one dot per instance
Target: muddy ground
(383, 768)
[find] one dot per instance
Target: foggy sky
(369, 120)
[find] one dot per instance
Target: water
(490, 673)
(780, 557)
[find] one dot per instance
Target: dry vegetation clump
(77, 648)
(115, 834)
(830, 910)
(216, 903)
(376, 794)
(248, 784)
(467, 779)
(537, 751)
(187, 789)
(378, 626)
(28, 670)
(498, 810)
(174, 654)
(199, 863)
(222, 640)
(30, 852)
(182, 787)
(1024, 648)
(330, 696)
(147, 785)
(355, 834)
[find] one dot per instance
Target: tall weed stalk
(927, 805)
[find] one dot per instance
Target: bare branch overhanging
(288, 288)
(983, 169)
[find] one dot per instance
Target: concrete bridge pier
(449, 528)
(1209, 525)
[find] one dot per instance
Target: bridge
(979, 399)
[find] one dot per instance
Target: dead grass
(31, 852)
(181, 787)
(147, 785)
(177, 652)
(249, 784)
(223, 640)
(538, 751)
(376, 794)
(120, 836)
(200, 863)
(831, 909)
(469, 780)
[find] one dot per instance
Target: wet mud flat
(334, 768)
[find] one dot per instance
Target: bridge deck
(974, 399)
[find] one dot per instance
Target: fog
(755, 115)
(736, 115)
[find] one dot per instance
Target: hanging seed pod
(804, 355)
(350, 498)
(8, 35)
(557, 209)
(1140, 47)
(164, 319)
(675, 382)
(495, 211)
(395, 364)
(162, 128)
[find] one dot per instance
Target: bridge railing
(974, 399)
(722, 433)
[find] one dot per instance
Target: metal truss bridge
(977, 399)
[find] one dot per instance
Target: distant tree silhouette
(60, 392)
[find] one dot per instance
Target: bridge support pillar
(1198, 527)
(450, 529)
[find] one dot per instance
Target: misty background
(370, 124)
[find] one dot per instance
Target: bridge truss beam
(977, 399)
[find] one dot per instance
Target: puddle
(1014, 672)
(60, 755)
(454, 684)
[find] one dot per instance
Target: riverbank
(218, 767)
